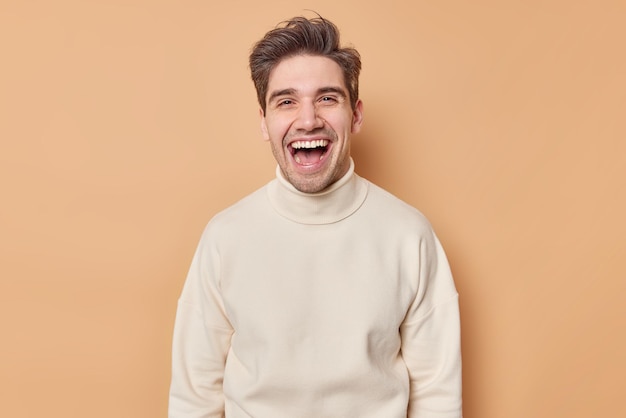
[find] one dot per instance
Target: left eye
(327, 99)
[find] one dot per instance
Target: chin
(310, 185)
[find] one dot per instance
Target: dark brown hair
(302, 36)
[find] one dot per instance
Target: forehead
(305, 72)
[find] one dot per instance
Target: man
(320, 294)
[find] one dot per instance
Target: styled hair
(301, 36)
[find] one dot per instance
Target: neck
(338, 201)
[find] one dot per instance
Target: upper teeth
(310, 144)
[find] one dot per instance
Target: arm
(431, 339)
(201, 341)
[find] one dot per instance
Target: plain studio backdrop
(126, 124)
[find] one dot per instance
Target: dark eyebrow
(332, 89)
(283, 92)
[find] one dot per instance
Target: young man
(319, 295)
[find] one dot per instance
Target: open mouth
(309, 152)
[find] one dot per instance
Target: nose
(308, 118)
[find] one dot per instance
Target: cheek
(341, 124)
(277, 126)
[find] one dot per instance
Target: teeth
(310, 144)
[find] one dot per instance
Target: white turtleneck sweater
(337, 304)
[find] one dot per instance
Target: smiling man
(308, 119)
(320, 294)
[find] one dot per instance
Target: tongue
(308, 156)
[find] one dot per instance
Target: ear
(266, 135)
(357, 117)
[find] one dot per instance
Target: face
(308, 121)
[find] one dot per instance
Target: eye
(328, 100)
(284, 102)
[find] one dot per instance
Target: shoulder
(239, 215)
(391, 210)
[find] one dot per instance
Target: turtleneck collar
(338, 201)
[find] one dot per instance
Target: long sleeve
(293, 304)
(201, 341)
(431, 339)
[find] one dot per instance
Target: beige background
(125, 125)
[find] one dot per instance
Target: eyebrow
(288, 92)
(278, 93)
(332, 89)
